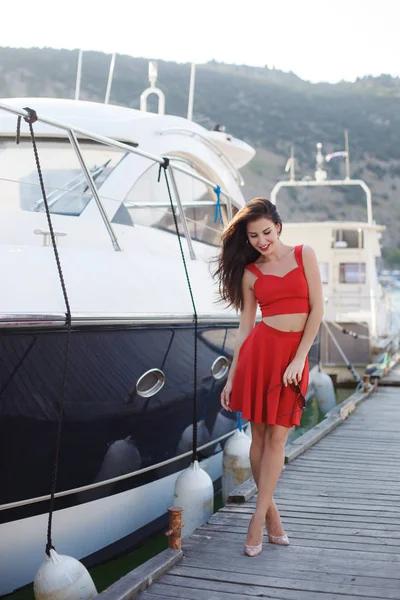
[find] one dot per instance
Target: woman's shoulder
(252, 268)
(308, 255)
(307, 250)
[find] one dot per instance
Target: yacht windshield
(66, 187)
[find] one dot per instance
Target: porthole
(220, 367)
(150, 383)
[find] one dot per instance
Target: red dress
(258, 391)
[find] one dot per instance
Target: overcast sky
(317, 40)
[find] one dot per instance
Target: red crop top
(285, 295)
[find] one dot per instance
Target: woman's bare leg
(272, 516)
(267, 469)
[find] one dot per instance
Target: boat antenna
(347, 157)
(290, 165)
(153, 72)
(78, 75)
(110, 78)
(191, 92)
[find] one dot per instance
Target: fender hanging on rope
(165, 166)
(218, 210)
(236, 467)
(51, 576)
(194, 490)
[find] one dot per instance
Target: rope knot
(30, 119)
(164, 165)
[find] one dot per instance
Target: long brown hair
(236, 252)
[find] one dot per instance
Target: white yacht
(126, 431)
(357, 308)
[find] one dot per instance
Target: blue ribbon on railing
(218, 211)
(239, 421)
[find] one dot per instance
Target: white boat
(357, 308)
(126, 431)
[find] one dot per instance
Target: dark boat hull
(108, 432)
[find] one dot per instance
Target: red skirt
(258, 391)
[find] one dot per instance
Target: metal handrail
(75, 144)
(141, 319)
(326, 183)
(181, 213)
(74, 131)
(199, 204)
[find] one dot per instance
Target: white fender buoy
(247, 430)
(203, 437)
(224, 423)
(122, 457)
(63, 578)
(194, 492)
(324, 391)
(236, 462)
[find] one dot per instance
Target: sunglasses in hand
(300, 398)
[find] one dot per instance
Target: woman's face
(263, 235)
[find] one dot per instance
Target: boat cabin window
(66, 187)
(348, 238)
(324, 272)
(149, 204)
(352, 273)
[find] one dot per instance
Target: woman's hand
(226, 396)
(293, 372)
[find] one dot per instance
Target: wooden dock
(340, 505)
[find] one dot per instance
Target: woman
(268, 377)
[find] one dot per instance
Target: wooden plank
(172, 591)
(227, 535)
(296, 571)
(348, 561)
(140, 578)
(360, 528)
(252, 587)
(243, 492)
(304, 442)
(298, 514)
(334, 539)
(270, 581)
(356, 522)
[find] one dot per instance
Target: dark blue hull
(101, 408)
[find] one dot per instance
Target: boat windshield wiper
(72, 185)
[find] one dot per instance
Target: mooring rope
(348, 364)
(165, 166)
(30, 119)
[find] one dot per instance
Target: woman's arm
(247, 320)
(311, 270)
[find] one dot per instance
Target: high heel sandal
(253, 550)
(281, 540)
